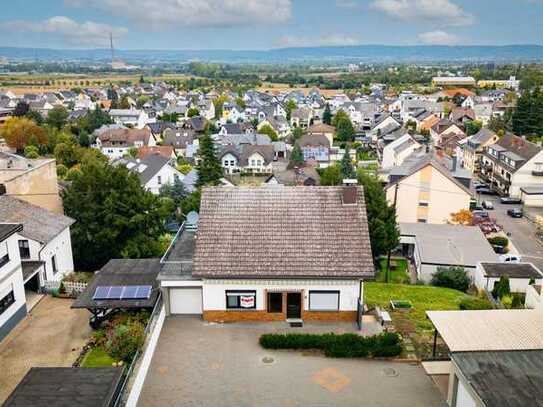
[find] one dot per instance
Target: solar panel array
(122, 292)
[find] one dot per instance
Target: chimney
(349, 195)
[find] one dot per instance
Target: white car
(510, 258)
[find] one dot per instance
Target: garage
(186, 300)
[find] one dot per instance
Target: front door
(294, 305)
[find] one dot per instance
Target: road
(522, 231)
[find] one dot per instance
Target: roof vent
(350, 192)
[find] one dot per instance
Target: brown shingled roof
(285, 232)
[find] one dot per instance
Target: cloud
(438, 38)
(71, 32)
(439, 11)
(170, 13)
(323, 41)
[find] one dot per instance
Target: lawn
(97, 357)
(398, 271)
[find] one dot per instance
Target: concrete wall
(460, 393)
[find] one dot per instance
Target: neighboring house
(33, 181)
(396, 152)
(164, 151)
(116, 143)
(447, 81)
(129, 117)
(461, 115)
(433, 246)
(301, 117)
(315, 148)
(154, 171)
(45, 245)
(512, 164)
(288, 253)
(179, 139)
(277, 123)
(519, 274)
(323, 129)
(12, 291)
(427, 192)
(475, 146)
(246, 158)
(442, 128)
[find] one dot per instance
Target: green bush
(349, 345)
(451, 277)
(31, 152)
(501, 288)
(125, 341)
(498, 241)
(518, 301)
(472, 303)
(507, 301)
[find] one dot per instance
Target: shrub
(507, 301)
(125, 341)
(472, 303)
(348, 345)
(62, 170)
(501, 288)
(498, 241)
(518, 301)
(31, 152)
(451, 277)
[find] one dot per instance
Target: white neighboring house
(45, 245)
(115, 143)
(396, 152)
(519, 274)
(12, 292)
(129, 117)
(154, 171)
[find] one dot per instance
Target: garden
(399, 272)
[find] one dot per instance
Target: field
(283, 87)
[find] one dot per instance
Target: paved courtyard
(51, 335)
(201, 364)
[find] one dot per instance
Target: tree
(176, 191)
(268, 130)
(192, 112)
(340, 115)
(68, 154)
(289, 107)
(331, 176)
(209, 167)
(115, 217)
(345, 130)
(501, 288)
(462, 217)
(124, 103)
(57, 117)
(219, 102)
(327, 115)
(31, 152)
(451, 277)
(170, 117)
(140, 101)
(297, 133)
(20, 132)
(35, 116)
(21, 109)
(346, 165)
(527, 119)
(383, 228)
(296, 157)
(473, 127)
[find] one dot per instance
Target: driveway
(202, 364)
(51, 335)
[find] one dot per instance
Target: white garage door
(463, 398)
(186, 300)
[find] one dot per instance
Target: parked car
(477, 208)
(485, 191)
(510, 258)
(488, 205)
(479, 184)
(515, 213)
(507, 200)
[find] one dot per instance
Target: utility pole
(390, 250)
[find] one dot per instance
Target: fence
(72, 288)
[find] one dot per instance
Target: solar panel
(143, 292)
(129, 292)
(115, 292)
(101, 293)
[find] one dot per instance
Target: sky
(265, 24)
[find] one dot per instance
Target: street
(522, 231)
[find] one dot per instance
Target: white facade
(524, 177)
(166, 176)
(394, 156)
(517, 285)
(230, 163)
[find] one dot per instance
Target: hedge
(339, 346)
(471, 303)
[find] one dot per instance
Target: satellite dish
(192, 220)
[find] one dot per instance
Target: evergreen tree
(331, 175)
(383, 228)
(345, 130)
(21, 109)
(346, 165)
(209, 168)
(296, 157)
(327, 115)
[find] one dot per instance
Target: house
(474, 147)
(154, 171)
(430, 246)
(129, 117)
(511, 164)
(115, 143)
(322, 129)
(520, 274)
(277, 123)
(315, 148)
(442, 128)
(449, 143)
(307, 176)
(31, 180)
(44, 243)
(164, 151)
(179, 139)
(396, 152)
(232, 113)
(306, 262)
(467, 81)
(301, 117)
(462, 116)
(247, 158)
(424, 190)
(495, 357)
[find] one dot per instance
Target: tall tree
(269, 130)
(115, 217)
(57, 117)
(20, 132)
(289, 107)
(296, 157)
(331, 175)
(21, 109)
(383, 228)
(209, 168)
(327, 115)
(345, 130)
(346, 165)
(527, 118)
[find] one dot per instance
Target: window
(323, 300)
(159, 180)
(54, 264)
(225, 163)
(232, 163)
(423, 203)
(4, 260)
(24, 249)
(275, 302)
(421, 220)
(6, 302)
(242, 299)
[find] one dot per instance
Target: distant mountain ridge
(359, 53)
